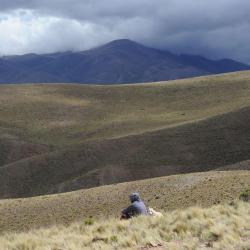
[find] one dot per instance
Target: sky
(212, 28)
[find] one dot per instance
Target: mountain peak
(122, 43)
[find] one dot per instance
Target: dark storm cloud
(215, 28)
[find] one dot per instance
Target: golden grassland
(224, 226)
(163, 193)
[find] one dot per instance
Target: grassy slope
(13, 150)
(60, 115)
(164, 193)
(220, 227)
(208, 144)
(243, 165)
(107, 134)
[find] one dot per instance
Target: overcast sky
(213, 28)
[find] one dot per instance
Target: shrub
(245, 196)
(89, 221)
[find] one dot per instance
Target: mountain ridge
(116, 62)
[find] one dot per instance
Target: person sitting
(136, 208)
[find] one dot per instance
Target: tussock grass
(224, 226)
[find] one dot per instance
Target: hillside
(120, 61)
(163, 193)
(219, 227)
(80, 136)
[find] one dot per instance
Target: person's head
(134, 197)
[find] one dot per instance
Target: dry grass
(164, 193)
(224, 226)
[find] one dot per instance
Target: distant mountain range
(120, 61)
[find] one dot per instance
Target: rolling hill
(120, 61)
(58, 138)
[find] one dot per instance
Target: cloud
(215, 28)
(24, 31)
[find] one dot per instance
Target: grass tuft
(245, 196)
(89, 221)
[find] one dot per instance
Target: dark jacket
(137, 207)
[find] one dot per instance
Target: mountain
(120, 61)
